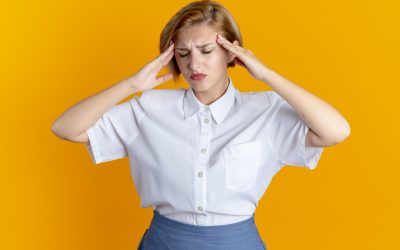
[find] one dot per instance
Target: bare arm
(74, 122)
(327, 126)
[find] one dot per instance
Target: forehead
(197, 35)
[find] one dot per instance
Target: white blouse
(198, 164)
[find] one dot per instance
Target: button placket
(205, 135)
(203, 157)
(199, 187)
(205, 121)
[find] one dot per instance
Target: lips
(197, 77)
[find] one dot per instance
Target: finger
(158, 62)
(166, 52)
(165, 61)
(164, 78)
(235, 49)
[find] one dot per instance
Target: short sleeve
(110, 135)
(287, 134)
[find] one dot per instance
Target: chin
(199, 86)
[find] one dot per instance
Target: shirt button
(204, 150)
(200, 174)
(200, 208)
(206, 120)
(205, 108)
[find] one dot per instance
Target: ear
(231, 55)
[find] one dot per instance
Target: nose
(194, 62)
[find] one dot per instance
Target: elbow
(342, 135)
(346, 131)
(342, 138)
(82, 138)
(54, 128)
(56, 131)
(334, 135)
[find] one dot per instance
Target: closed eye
(204, 52)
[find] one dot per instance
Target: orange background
(56, 53)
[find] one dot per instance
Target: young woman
(203, 157)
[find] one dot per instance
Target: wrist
(266, 75)
(129, 86)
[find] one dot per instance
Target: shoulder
(156, 100)
(263, 98)
(161, 95)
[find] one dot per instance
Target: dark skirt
(165, 233)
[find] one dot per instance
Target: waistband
(209, 219)
(160, 222)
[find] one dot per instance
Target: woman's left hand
(244, 58)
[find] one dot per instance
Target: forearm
(321, 117)
(84, 114)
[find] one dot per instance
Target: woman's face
(197, 51)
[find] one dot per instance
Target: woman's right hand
(145, 78)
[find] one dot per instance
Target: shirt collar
(219, 108)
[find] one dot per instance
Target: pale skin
(198, 52)
(327, 126)
(76, 120)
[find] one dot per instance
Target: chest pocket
(241, 162)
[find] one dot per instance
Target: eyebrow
(199, 46)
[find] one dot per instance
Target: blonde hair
(199, 12)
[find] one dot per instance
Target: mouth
(198, 77)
